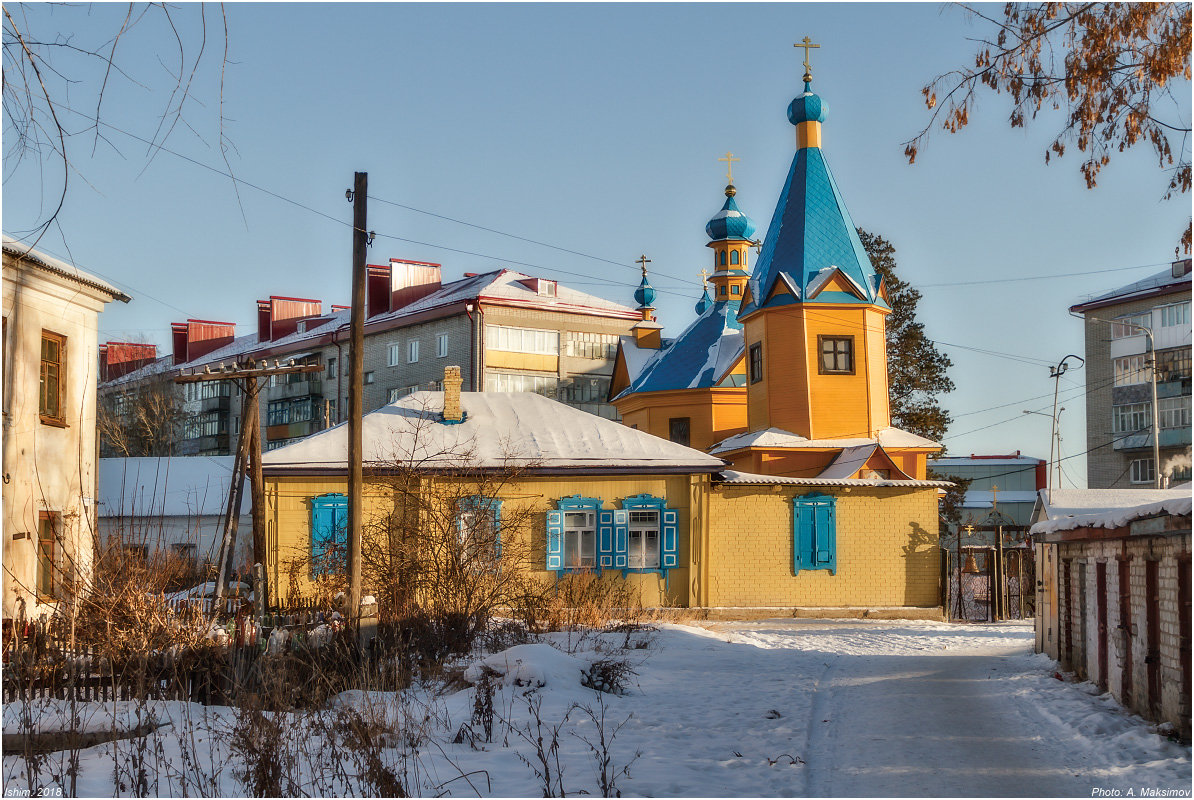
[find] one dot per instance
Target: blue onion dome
(703, 304)
(730, 222)
(644, 295)
(808, 107)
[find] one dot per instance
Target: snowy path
(901, 709)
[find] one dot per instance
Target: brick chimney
(196, 338)
(120, 358)
(452, 382)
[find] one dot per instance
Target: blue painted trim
(463, 418)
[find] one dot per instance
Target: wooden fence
(42, 660)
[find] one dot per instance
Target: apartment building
(1119, 374)
(507, 331)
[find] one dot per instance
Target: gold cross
(704, 275)
(969, 529)
(995, 496)
(643, 261)
(729, 159)
(807, 45)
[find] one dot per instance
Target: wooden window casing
(52, 384)
(756, 362)
(835, 355)
(48, 525)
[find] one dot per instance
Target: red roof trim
(294, 299)
(206, 321)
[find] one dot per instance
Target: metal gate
(976, 589)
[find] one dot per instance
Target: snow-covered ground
(772, 708)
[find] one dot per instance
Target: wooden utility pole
(247, 377)
(356, 370)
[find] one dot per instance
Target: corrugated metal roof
(697, 358)
(735, 478)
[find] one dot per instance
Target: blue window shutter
(605, 539)
(329, 531)
(670, 532)
(814, 533)
(555, 540)
(621, 535)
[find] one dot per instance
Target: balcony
(214, 445)
(307, 387)
(220, 404)
(291, 430)
(1170, 437)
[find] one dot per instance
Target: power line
(1037, 277)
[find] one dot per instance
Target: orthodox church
(784, 371)
(783, 488)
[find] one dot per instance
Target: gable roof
(500, 430)
(811, 231)
(21, 251)
(696, 359)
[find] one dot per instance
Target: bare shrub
(545, 739)
(609, 675)
(601, 748)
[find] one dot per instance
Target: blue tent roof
(811, 232)
(697, 357)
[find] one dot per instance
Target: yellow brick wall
(887, 552)
(288, 521)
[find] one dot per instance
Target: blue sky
(597, 129)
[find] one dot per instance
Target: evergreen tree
(917, 371)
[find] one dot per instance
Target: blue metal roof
(811, 231)
(697, 357)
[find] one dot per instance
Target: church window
(722, 291)
(756, 362)
(735, 289)
(837, 355)
(723, 258)
(734, 257)
(678, 430)
(814, 533)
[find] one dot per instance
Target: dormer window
(546, 288)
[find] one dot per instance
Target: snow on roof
(19, 249)
(776, 437)
(1116, 517)
(734, 477)
(849, 461)
(1153, 283)
(697, 358)
(500, 430)
(984, 461)
(183, 486)
(1072, 502)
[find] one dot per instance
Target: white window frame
(1174, 412)
(1124, 327)
(1141, 471)
(643, 539)
(412, 351)
(369, 377)
(475, 530)
(393, 395)
(441, 345)
(580, 535)
(538, 341)
(331, 367)
(546, 288)
(1131, 370)
(1175, 314)
(395, 354)
(1131, 417)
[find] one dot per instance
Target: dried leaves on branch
(1111, 67)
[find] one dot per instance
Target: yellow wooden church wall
(841, 403)
(288, 522)
(887, 553)
(714, 414)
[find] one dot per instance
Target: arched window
(723, 258)
(734, 257)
